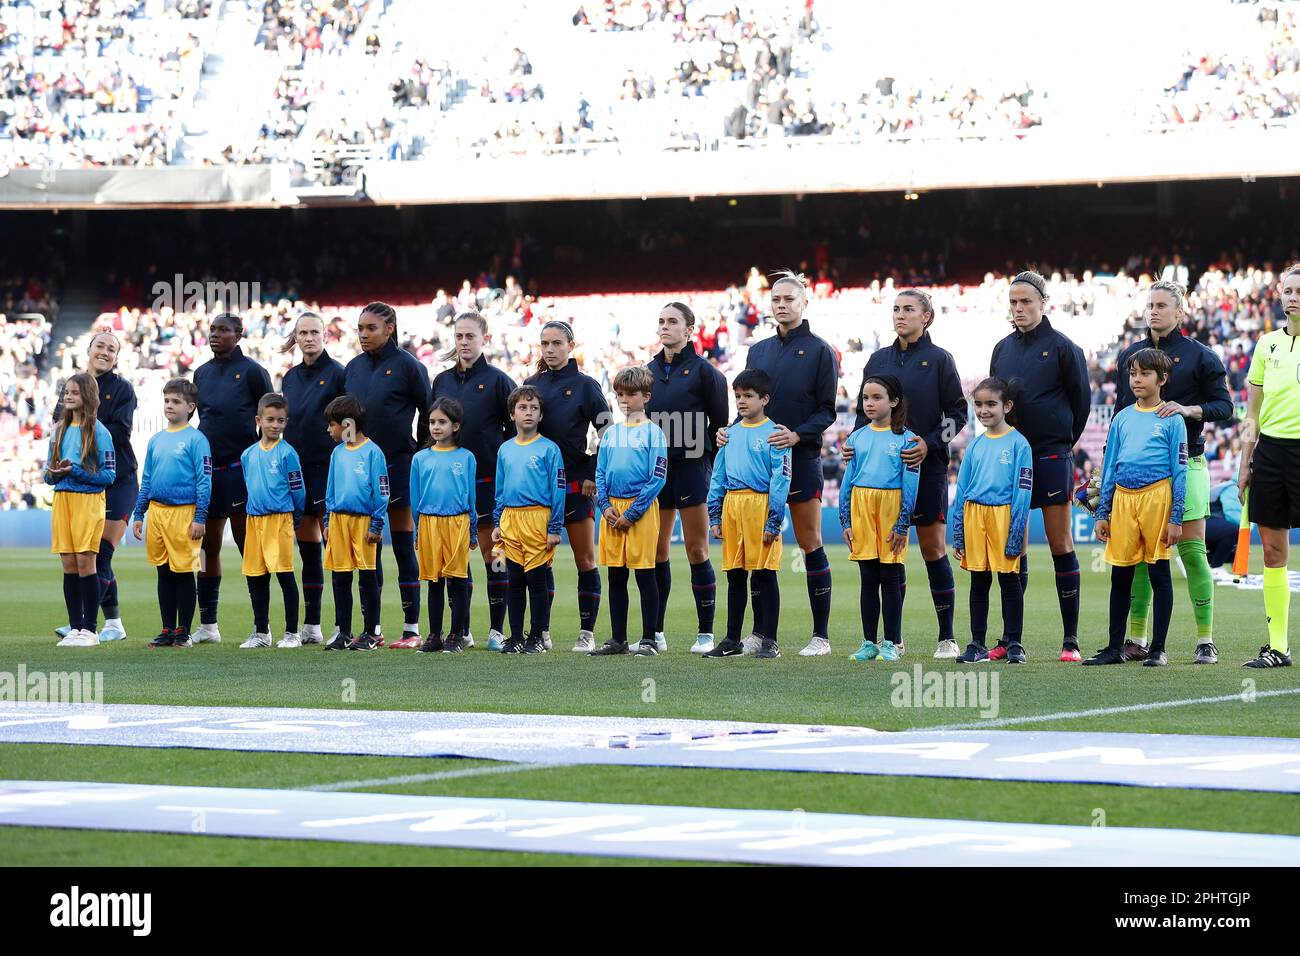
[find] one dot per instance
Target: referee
(1270, 460)
(393, 387)
(1198, 391)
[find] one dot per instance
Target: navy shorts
(315, 477)
(687, 483)
(399, 481)
(577, 506)
(229, 494)
(485, 495)
(805, 478)
(931, 499)
(1053, 476)
(119, 501)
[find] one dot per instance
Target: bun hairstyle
(687, 314)
(1004, 391)
(1288, 272)
(1175, 290)
(927, 304)
(894, 390)
(564, 327)
(1033, 279)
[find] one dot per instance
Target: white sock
(113, 620)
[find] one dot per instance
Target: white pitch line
(1106, 711)
(430, 777)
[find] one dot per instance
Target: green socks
(1277, 605)
(1139, 604)
(1200, 588)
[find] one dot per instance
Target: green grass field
(794, 689)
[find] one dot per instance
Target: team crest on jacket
(534, 462)
(360, 469)
(758, 444)
(1004, 458)
(457, 468)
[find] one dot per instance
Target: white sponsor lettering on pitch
(663, 832)
(1152, 760)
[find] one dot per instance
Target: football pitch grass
(829, 690)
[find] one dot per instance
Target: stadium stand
(328, 87)
(98, 82)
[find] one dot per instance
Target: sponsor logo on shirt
(1182, 453)
(559, 479)
(207, 465)
(295, 481)
(110, 460)
(1026, 479)
(785, 466)
(1004, 458)
(535, 462)
(383, 485)
(458, 468)
(759, 444)
(661, 467)
(359, 469)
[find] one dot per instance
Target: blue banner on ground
(661, 832)
(1147, 760)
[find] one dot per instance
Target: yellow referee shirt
(1275, 366)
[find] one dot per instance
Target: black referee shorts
(1275, 483)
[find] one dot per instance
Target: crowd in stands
(108, 82)
(1226, 87)
(96, 82)
(27, 398)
